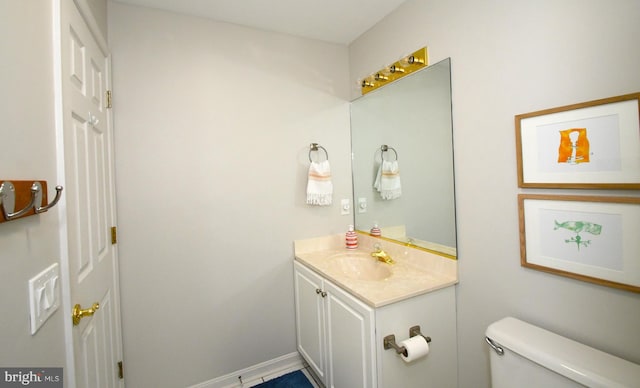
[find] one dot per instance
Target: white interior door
(90, 202)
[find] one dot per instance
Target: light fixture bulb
(396, 69)
(380, 77)
(367, 84)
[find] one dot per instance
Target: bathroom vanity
(347, 302)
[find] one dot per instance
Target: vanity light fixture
(399, 69)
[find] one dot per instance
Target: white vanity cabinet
(335, 332)
(342, 338)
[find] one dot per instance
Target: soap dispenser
(351, 238)
(375, 231)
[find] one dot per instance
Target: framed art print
(594, 144)
(594, 239)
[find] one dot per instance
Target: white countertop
(415, 272)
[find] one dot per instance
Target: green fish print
(578, 227)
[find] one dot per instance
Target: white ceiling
(337, 21)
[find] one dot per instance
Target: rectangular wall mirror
(411, 116)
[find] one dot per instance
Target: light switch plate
(345, 207)
(44, 296)
(362, 205)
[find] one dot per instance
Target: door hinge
(108, 99)
(114, 235)
(120, 370)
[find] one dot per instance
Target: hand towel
(319, 186)
(388, 180)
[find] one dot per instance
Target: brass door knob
(78, 313)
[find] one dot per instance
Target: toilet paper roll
(417, 347)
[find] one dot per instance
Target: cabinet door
(310, 320)
(350, 338)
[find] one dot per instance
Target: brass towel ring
(385, 148)
(314, 147)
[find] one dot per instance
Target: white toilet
(534, 357)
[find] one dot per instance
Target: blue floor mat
(295, 379)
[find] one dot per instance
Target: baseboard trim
(255, 374)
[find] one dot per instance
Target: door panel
(88, 357)
(95, 349)
(90, 210)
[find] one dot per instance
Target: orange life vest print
(574, 146)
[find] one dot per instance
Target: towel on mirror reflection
(388, 180)
(319, 186)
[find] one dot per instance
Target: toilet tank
(535, 357)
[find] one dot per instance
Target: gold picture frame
(589, 238)
(590, 145)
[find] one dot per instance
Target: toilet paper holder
(389, 341)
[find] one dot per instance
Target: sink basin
(359, 266)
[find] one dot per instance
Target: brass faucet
(382, 256)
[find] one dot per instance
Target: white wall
(213, 124)
(27, 133)
(98, 9)
(511, 57)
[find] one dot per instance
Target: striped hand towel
(388, 180)
(319, 186)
